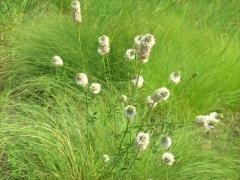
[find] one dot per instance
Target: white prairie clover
(166, 142)
(137, 41)
(76, 11)
(214, 117)
(130, 112)
(142, 141)
(161, 94)
(95, 88)
(201, 120)
(105, 158)
(168, 158)
(138, 81)
(208, 127)
(150, 102)
(124, 98)
(81, 79)
(57, 61)
(208, 121)
(175, 77)
(104, 46)
(143, 45)
(211, 118)
(130, 54)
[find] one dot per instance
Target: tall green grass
(43, 114)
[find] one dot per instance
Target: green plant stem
(124, 135)
(87, 109)
(134, 89)
(80, 48)
(132, 163)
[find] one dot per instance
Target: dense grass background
(43, 115)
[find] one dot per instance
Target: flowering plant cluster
(140, 53)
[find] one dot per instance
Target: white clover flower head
(166, 142)
(137, 41)
(138, 81)
(214, 117)
(57, 61)
(206, 121)
(104, 47)
(144, 61)
(148, 40)
(103, 50)
(81, 79)
(103, 40)
(208, 126)
(168, 158)
(95, 88)
(105, 158)
(143, 45)
(130, 112)
(76, 11)
(209, 121)
(202, 120)
(124, 98)
(150, 102)
(130, 54)
(175, 77)
(143, 53)
(161, 94)
(142, 141)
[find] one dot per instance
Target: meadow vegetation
(54, 127)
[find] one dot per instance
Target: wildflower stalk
(87, 109)
(80, 47)
(108, 67)
(107, 76)
(138, 71)
(124, 135)
(132, 163)
(115, 127)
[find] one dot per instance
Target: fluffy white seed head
(142, 141)
(103, 50)
(150, 102)
(143, 45)
(168, 158)
(81, 79)
(148, 40)
(201, 120)
(130, 54)
(76, 11)
(138, 81)
(166, 142)
(124, 98)
(57, 61)
(105, 158)
(161, 94)
(103, 40)
(209, 121)
(137, 41)
(144, 61)
(214, 117)
(95, 88)
(130, 112)
(104, 47)
(175, 77)
(208, 126)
